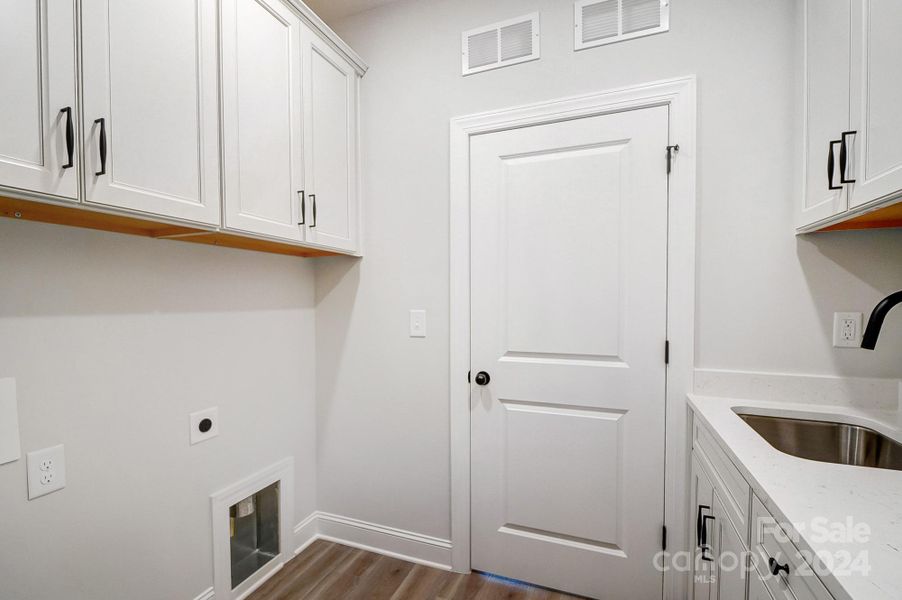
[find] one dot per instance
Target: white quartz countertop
(813, 495)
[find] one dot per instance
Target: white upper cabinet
(330, 110)
(231, 115)
(38, 127)
(263, 146)
(151, 106)
(876, 147)
(827, 48)
(853, 121)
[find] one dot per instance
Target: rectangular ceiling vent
(501, 44)
(599, 22)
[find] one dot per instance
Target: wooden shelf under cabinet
(79, 216)
(885, 217)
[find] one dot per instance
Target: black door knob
(482, 378)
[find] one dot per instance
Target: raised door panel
(876, 153)
(150, 84)
(827, 61)
(39, 139)
(330, 91)
(262, 111)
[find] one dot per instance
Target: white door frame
(679, 96)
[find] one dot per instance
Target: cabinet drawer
(736, 490)
(769, 541)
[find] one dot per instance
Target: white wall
(765, 298)
(113, 340)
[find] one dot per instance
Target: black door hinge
(664, 537)
(666, 352)
(671, 150)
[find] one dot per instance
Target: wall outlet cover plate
(204, 425)
(847, 329)
(46, 471)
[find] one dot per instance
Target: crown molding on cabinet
(330, 36)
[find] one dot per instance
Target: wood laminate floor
(328, 571)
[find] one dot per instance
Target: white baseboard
(397, 543)
(305, 532)
(207, 594)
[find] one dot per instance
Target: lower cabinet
(731, 554)
(739, 549)
(757, 589)
(720, 556)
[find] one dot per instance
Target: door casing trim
(680, 96)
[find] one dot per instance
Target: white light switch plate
(46, 471)
(204, 425)
(9, 422)
(847, 329)
(418, 323)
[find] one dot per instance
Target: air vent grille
(599, 22)
(502, 44)
(483, 49)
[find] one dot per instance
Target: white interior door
(262, 112)
(150, 89)
(568, 263)
(38, 127)
(876, 151)
(330, 92)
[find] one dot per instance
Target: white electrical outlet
(46, 471)
(847, 329)
(204, 425)
(418, 323)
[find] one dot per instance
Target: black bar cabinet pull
(776, 567)
(70, 137)
(313, 200)
(705, 546)
(831, 165)
(303, 207)
(102, 170)
(843, 154)
(699, 533)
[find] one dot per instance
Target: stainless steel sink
(825, 441)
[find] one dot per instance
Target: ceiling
(333, 10)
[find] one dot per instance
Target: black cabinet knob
(776, 567)
(483, 378)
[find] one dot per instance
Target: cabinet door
(876, 150)
(151, 102)
(730, 553)
(330, 101)
(37, 93)
(262, 112)
(701, 502)
(827, 61)
(757, 589)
